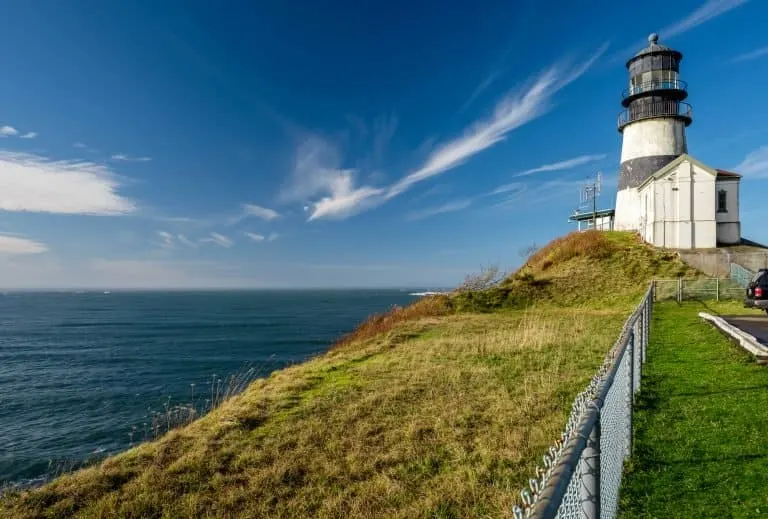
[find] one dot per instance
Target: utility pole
(594, 212)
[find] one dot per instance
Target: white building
(688, 205)
(672, 199)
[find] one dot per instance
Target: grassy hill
(437, 410)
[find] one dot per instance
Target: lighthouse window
(722, 197)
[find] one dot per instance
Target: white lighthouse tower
(652, 125)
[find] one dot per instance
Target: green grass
(438, 410)
(701, 445)
(440, 418)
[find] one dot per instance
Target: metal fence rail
(581, 472)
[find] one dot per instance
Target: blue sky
(274, 144)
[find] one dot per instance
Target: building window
(722, 197)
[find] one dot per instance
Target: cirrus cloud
(127, 158)
(256, 211)
(218, 239)
(563, 164)
(755, 164)
(254, 236)
(318, 169)
(705, 12)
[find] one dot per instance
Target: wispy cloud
(512, 187)
(755, 164)
(318, 165)
(260, 237)
(317, 171)
(33, 183)
(166, 239)
(82, 146)
(707, 11)
(344, 199)
(748, 56)
(511, 112)
(525, 196)
(255, 237)
(29, 135)
(186, 241)
(218, 239)
(12, 244)
(253, 210)
(704, 13)
(435, 190)
(179, 219)
(8, 131)
(449, 207)
(564, 164)
(482, 87)
(127, 158)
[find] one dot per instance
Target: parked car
(757, 291)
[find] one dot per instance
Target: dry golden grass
(593, 269)
(423, 412)
(438, 418)
(376, 324)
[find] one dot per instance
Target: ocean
(80, 373)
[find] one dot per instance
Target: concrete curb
(745, 340)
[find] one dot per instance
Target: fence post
(717, 287)
(589, 491)
(647, 330)
(638, 353)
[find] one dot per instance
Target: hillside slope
(432, 410)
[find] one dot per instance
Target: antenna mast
(588, 196)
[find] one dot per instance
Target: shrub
(488, 277)
(481, 300)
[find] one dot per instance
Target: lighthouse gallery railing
(655, 84)
(657, 109)
(581, 471)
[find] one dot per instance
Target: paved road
(756, 325)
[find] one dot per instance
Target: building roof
(581, 217)
(719, 173)
(654, 48)
(727, 174)
(653, 45)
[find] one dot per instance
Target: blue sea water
(79, 370)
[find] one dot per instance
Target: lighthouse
(670, 198)
(652, 125)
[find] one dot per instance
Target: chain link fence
(717, 289)
(741, 275)
(581, 472)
